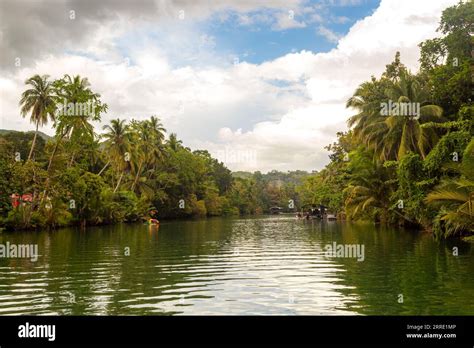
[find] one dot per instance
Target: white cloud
(341, 19)
(287, 20)
(330, 35)
(296, 140)
(275, 115)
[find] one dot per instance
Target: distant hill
(241, 174)
(46, 137)
(294, 176)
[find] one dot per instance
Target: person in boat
(152, 220)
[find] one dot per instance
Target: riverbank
(288, 215)
(403, 166)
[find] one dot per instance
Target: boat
(152, 222)
(276, 210)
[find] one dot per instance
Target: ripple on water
(268, 265)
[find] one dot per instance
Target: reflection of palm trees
(399, 261)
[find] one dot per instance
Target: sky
(261, 85)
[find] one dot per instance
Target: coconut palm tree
(40, 102)
(158, 136)
(406, 132)
(73, 125)
(369, 188)
(455, 199)
(117, 145)
(142, 149)
(174, 143)
(392, 136)
(157, 129)
(148, 149)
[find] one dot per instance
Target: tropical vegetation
(410, 169)
(407, 169)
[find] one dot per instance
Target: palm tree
(369, 188)
(157, 129)
(158, 136)
(117, 144)
(393, 136)
(141, 149)
(76, 126)
(370, 195)
(148, 148)
(174, 143)
(39, 101)
(75, 90)
(408, 134)
(455, 199)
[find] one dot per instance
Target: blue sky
(253, 36)
(281, 105)
(261, 41)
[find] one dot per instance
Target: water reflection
(266, 265)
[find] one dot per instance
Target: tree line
(414, 168)
(410, 169)
(129, 172)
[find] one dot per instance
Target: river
(268, 265)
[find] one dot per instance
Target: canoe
(152, 222)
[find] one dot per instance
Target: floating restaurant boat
(276, 210)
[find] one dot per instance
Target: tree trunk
(54, 151)
(71, 161)
(106, 165)
(137, 176)
(46, 186)
(34, 141)
(118, 183)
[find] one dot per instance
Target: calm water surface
(272, 265)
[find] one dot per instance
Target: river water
(268, 265)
